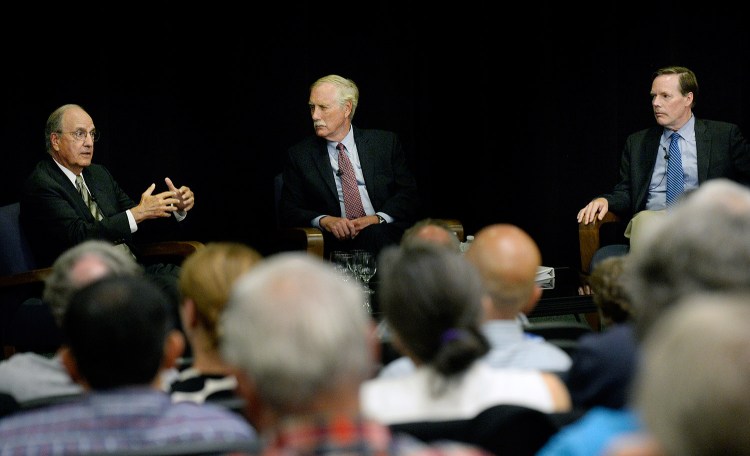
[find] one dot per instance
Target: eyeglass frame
(80, 134)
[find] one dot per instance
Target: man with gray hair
(303, 343)
(30, 376)
(697, 354)
(353, 184)
(700, 246)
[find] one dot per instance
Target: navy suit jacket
(722, 152)
(603, 368)
(310, 188)
(55, 218)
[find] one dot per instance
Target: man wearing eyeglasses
(67, 199)
(59, 211)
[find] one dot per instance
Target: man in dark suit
(314, 178)
(708, 150)
(56, 214)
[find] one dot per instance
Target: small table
(563, 298)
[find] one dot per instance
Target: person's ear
(55, 141)
(253, 410)
(188, 313)
(70, 364)
(536, 295)
(174, 347)
(376, 349)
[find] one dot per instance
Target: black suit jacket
(603, 368)
(722, 152)
(55, 218)
(310, 188)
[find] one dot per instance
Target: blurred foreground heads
(302, 344)
(432, 299)
(118, 338)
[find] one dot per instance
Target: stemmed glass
(343, 262)
(366, 266)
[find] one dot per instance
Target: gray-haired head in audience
(298, 332)
(702, 245)
(80, 265)
(693, 390)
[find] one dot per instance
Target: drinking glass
(366, 268)
(343, 262)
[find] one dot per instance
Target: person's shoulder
(654, 130)
(367, 133)
(306, 143)
(714, 126)
(403, 444)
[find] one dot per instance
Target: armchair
(310, 239)
(31, 328)
(600, 233)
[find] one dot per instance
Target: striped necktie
(675, 181)
(94, 208)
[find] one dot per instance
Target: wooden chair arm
(310, 237)
(25, 278)
(589, 238)
(457, 227)
(170, 248)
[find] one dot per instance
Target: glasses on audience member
(80, 134)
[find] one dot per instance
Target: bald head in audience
(431, 231)
(507, 259)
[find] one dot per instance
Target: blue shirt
(126, 418)
(591, 434)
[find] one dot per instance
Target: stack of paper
(545, 277)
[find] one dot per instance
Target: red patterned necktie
(352, 200)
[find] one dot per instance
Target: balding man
(507, 259)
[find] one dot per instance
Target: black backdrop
(506, 117)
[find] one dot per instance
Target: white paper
(544, 273)
(545, 277)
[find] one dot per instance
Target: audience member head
(432, 301)
(206, 279)
(693, 387)
(609, 294)
(81, 265)
(507, 260)
(702, 245)
(431, 230)
(300, 338)
(118, 333)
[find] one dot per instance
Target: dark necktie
(94, 208)
(675, 182)
(352, 200)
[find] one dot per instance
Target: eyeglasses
(80, 134)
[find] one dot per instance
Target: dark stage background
(516, 118)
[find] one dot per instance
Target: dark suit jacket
(603, 368)
(722, 152)
(55, 218)
(310, 189)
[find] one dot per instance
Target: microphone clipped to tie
(339, 173)
(666, 153)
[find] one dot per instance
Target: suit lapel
(650, 144)
(702, 149)
(68, 187)
(365, 153)
(322, 164)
